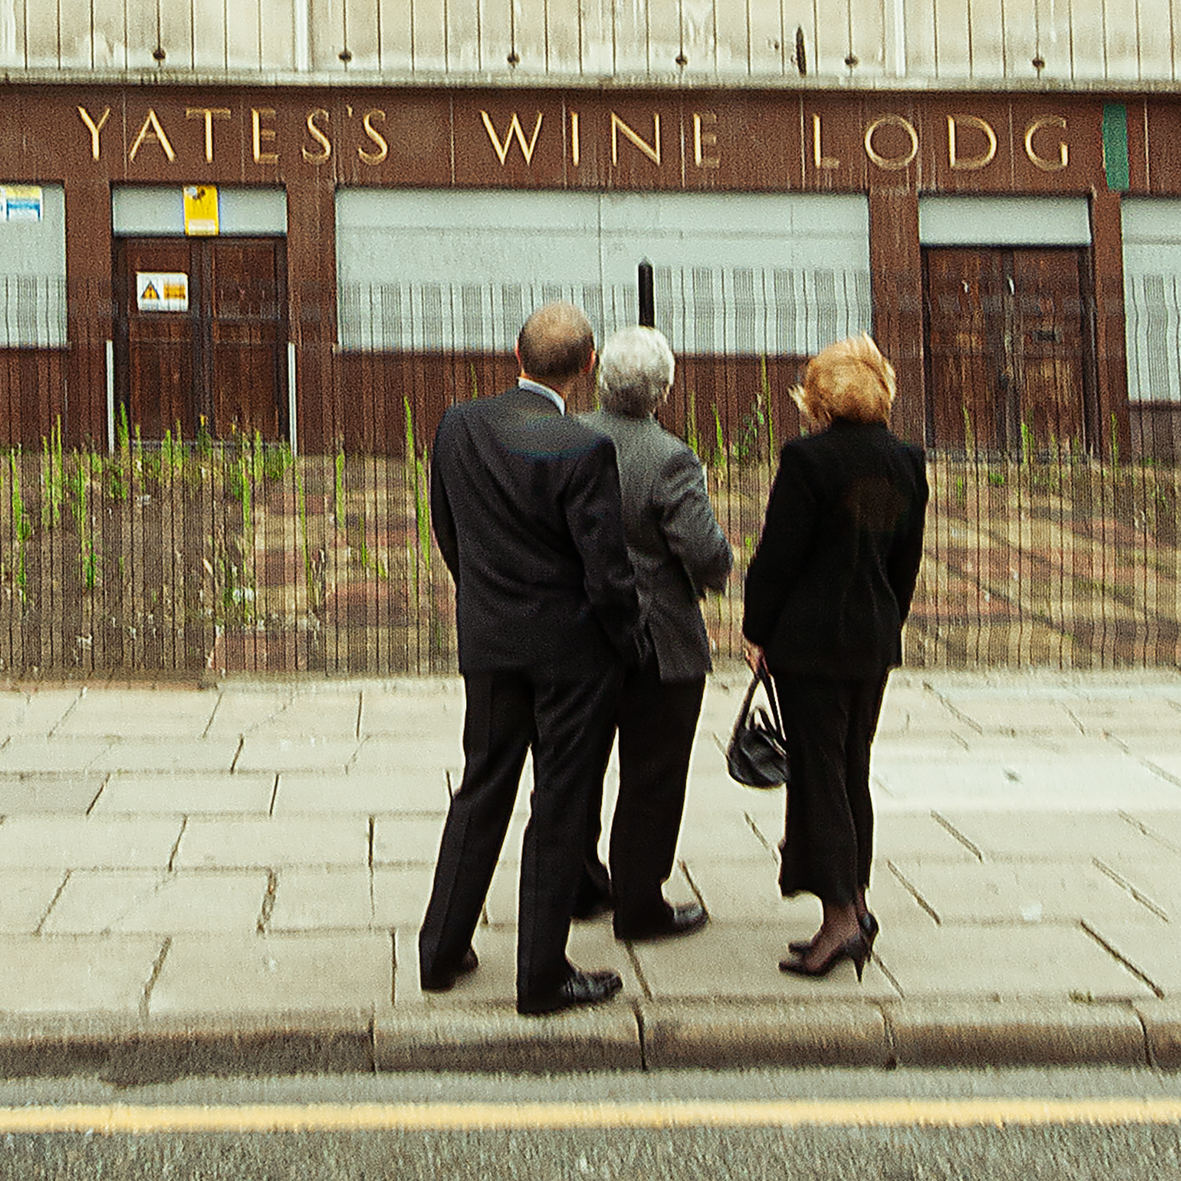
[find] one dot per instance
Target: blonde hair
(849, 379)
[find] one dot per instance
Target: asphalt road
(820, 1125)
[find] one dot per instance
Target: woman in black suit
(826, 596)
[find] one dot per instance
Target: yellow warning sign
(201, 218)
(162, 291)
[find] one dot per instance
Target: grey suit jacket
(674, 541)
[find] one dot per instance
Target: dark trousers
(828, 841)
(656, 723)
(569, 726)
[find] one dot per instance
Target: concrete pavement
(229, 879)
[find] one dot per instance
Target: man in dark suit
(526, 509)
(678, 550)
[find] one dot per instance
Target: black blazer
(830, 585)
(677, 548)
(525, 507)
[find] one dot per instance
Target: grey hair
(635, 371)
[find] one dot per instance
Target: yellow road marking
(129, 1119)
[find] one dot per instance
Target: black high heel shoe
(855, 949)
(869, 928)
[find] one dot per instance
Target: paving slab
(69, 842)
(1154, 953)
(745, 1035)
(34, 713)
(131, 713)
(1023, 892)
(280, 841)
(405, 754)
(367, 792)
(60, 974)
(1162, 826)
(989, 1034)
(262, 752)
(250, 974)
(1094, 783)
(322, 899)
(1043, 835)
(175, 756)
(400, 895)
(409, 840)
(742, 960)
(101, 902)
(918, 835)
(25, 898)
(1155, 881)
(1020, 962)
(49, 793)
(242, 712)
(312, 713)
(34, 753)
(147, 793)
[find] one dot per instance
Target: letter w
(514, 128)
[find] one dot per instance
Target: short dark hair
(556, 342)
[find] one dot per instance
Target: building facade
(305, 220)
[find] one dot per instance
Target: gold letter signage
(514, 130)
(1063, 151)
(891, 162)
(970, 163)
(95, 128)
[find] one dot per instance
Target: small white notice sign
(161, 291)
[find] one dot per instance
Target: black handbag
(757, 754)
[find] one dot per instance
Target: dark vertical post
(647, 300)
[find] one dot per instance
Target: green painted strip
(1115, 146)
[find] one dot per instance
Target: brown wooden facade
(893, 146)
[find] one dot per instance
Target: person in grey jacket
(678, 551)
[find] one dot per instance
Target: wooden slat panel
(496, 20)
(1123, 26)
(35, 36)
(464, 33)
(1021, 41)
(531, 35)
(76, 33)
(988, 39)
(630, 36)
(362, 34)
(732, 38)
(829, 44)
(1155, 39)
(243, 35)
(176, 35)
(326, 32)
(429, 34)
(920, 38)
(395, 19)
(209, 34)
(595, 51)
(1089, 56)
(951, 38)
(771, 45)
(664, 35)
(277, 49)
(869, 38)
(1054, 38)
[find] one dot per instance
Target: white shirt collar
(537, 388)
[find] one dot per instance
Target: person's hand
(753, 655)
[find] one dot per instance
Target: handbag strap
(772, 697)
(744, 712)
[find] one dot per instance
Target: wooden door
(219, 354)
(1007, 356)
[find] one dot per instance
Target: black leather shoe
(581, 988)
(444, 980)
(681, 920)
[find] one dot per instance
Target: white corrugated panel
(740, 41)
